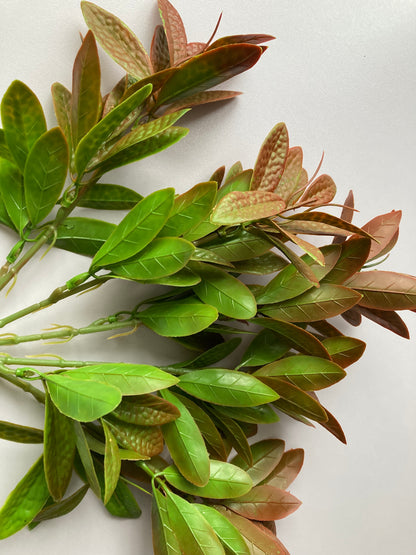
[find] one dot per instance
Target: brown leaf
(384, 229)
(386, 318)
(204, 97)
(238, 39)
(271, 159)
(195, 48)
(286, 471)
(352, 316)
(264, 503)
(159, 50)
(354, 253)
(321, 191)
(290, 181)
(328, 219)
(175, 31)
(347, 213)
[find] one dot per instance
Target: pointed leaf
(344, 351)
(266, 347)
(295, 401)
(261, 414)
(334, 427)
(186, 445)
(175, 31)
(63, 507)
(271, 159)
(321, 191)
(83, 235)
(315, 304)
(112, 463)
(213, 355)
(290, 182)
(62, 99)
(159, 49)
(218, 175)
(313, 251)
(286, 471)
(383, 228)
(164, 539)
(322, 217)
(122, 503)
(266, 456)
(244, 206)
(306, 372)
(12, 193)
(147, 441)
(83, 462)
(353, 255)
(204, 97)
(228, 534)
(23, 121)
(236, 437)
(386, 318)
(137, 229)
(45, 174)
(21, 434)
(59, 450)
(237, 39)
(117, 40)
(104, 196)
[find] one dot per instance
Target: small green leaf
(266, 456)
(238, 182)
(145, 440)
(25, 501)
(235, 436)
(63, 507)
(59, 450)
(87, 471)
(183, 278)
(83, 235)
(45, 174)
(23, 121)
(228, 534)
(62, 99)
(186, 445)
(112, 463)
(105, 196)
(21, 434)
(12, 193)
(137, 229)
(146, 410)
(82, 400)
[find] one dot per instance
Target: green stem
(134, 485)
(22, 384)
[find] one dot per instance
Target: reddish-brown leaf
(286, 471)
(332, 424)
(384, 229)
(295, 401)
(245, 206)
(344, 350)
(328, 219)
(321, 191)
(204, 97)
(264, 503)
(159, 50)
(347, 213)
(238, 39)
(385, 290)
(313, 251)
(271, 159)
(386, 318)
(314, 228)
(290, 182)
(354, 253)
(352, 316)
(195, 48)
(175, 31)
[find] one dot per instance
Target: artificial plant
(110, 420)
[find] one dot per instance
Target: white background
(342, 76)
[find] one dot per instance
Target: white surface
(342, 76)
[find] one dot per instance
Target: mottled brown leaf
(271, 160)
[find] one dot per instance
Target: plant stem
(22, 384)
(134, 485)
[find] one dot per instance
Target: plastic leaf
(213, 355)
(261, 414)
(83, 235)
(4, 149)
(290, 182)
(105, 196)
(334, 427)
(175, 31)
(315, 304)
(63, 507)
(207, 70)
(122, 503)
(12, 193)
(137, 229)
(295, 401)
(266, 347)
(271, 159)
(344, 351)
(114, 97)
(204, 97)
(228, 534)
(383, 228)
(225, 480)
(322, 217)
(177, 319)
(386, 318)
(238, 182)
(129, 379)
(226, 387)
(59, 450)
(236, 437)
(146, 410)
(45, 174)
(164, 539)
(23, 121)
(21, 434)
(242, 245)
(313, 251)
(117, 40)
(186, 445)
(25, 501)
(83, 462)
(266, 456)
(147, 441)
(385, 290)
(238, 207)
(112, 463)
(267, 263)
(62, 99)
(321, 191)
(159, 50)
(237, 39)
(183, 278)
(82, 400)
(306, 372)
(286, 471)
(354, 253)
(86, 96)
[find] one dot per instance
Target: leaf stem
(9, 376)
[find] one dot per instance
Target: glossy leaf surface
(295, 401)
(112, 463)
(387, 319)
(286, 471)
(164, 538)
(63, 507)
(344, 351)
(175, 31)
(12, 194)
(20, 434)
(354, 253)
(147, 441)
(159, 50)
(238, 207)
(228, 534)
(83, 235)
(261, 414)
(242, 245)
(266, 456)
(105, 196)
(385, 290)
(265, 347)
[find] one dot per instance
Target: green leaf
(354, 253)
(214, 354)
(83, 235)
(88, 473)
(104, 196)
(23, 121)
(306, 372)
(122, 503)
(190, 209)
(225, 480)
(265, 347)
(271, 160)
(236, 437)
(315, 304)
(226, 293)
(205, 255)
(238, 182)
(86, 95)
(59, 452)
(295, 401)
(63, 507)
(129, 379)
(180, 318)
(207, 70)
(4, 149)
(21, 434)
(245, 206)
(164, 539)
(96, 138)
(267, 263)
(186, 445)
(45, 174)
(194, 533)
(241, 245)
(183, 278)
(174, 30)
(266, 456)
(385, 290)
(163, 257)
(25, 501)
(137, 229)
(262, 414)
(117, 40)
(145, 440)
(62, 99)
(226, 387)
(264, 503)
(82, 400)
(228, 534)
(296, 337)
(344, 351)
(112, 463)
(146, 410)
(12, 194)
(286, 471)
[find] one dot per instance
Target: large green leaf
(12, 194)
(241, 245)
(83, 235)
(228, 534)
(20, 434)
(271, 160)
(23, 121)
(137, 229)
(266, 456)
(146, 410)
(186, 445)
(207, 70)
(190, 208)
(86, 95)
(25, 501)
(96, 138)
(344, 350)
(315, 304)
(59, 450)
(129, 379)
(225, 480)
(180, 318)
(226, 387)
(245, 206)
(164, 539)
(112, 463)
(80, 399)
(385, 290)
(306, 372)
(265, 347)
(147, 441)
(45, 174)
(105, 196)
(163, 257)
(229, 295)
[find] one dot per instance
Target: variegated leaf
(238, 207)
(271, 160)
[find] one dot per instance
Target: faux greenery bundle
(110, 420)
